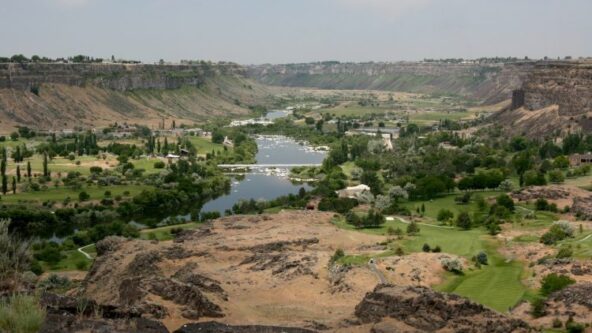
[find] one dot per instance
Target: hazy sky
(281, 31)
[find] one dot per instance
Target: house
(353, 192)
(227, 142)
(579, 159)
(172, 157)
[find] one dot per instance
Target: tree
(506, 185)
(426, 247)
(463, 220)
(4, 184)
(556, 176)
(412, 228)
(445, 215)
(397, 192)
(29, 169)
(504, 200)
(13, 185)
(309, 121)
(18, 173)
(45, 168)
(481, 258)
(83, 196)
(555, 282)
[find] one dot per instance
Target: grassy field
(72, 261)
(496, 285)
(204, 145)
(61, 193)
(432, 207)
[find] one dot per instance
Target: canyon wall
(57, 96)
(119, 77)
(488, 83)
(565, 84)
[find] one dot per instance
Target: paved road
(376, 271)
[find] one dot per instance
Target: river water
(267, 184)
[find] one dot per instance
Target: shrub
(412, 228)
(565, 252)
(445, 215)
(560, 230)
(481, 258)
(159, 165)
(96, 169)
(336, 256)
(537, 308)
(83, 196)
(437, 249)
(55, 281)
(452, 265)
(554, 282)
(504, 200)
(21, 314)
(426, 247)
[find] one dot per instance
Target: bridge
(264, 166)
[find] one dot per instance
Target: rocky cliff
(489, 83)
(53, 96)
(554, 99)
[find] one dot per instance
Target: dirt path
(88, 256)
(376, 271)
(390, 218)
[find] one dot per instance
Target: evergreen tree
(4, 184)
(45, 169)
(29, 169)
(18, 173)
(13, 185)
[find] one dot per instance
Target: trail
(376, 271)
(585, 238)
(88, 256)
(390, 218)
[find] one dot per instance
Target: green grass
(61, 193)
(164, 233)
(21, 314)
(72, 261)
(204, 145)
(497, 285)
(431, 117)
(447, 202)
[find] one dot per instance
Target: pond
(268, 183)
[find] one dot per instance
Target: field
(164, 233)
(496, 285)
(204, 145)
(61, 193)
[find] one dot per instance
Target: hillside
(53, 96)
(555, 98)
(490, 83)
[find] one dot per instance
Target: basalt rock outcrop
(419, 309)
(555, 98)
(490, 83)
(119, 77)
(63, 96)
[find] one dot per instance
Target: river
(267, 184)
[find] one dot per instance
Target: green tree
(412, 228)
(29, 169)
(13, 185)
(463, 220)
(18, 173)
(555, 282)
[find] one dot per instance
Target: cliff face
(554, 99)
(487, 83)
(118, 77)
(54, 96)
(566, 84)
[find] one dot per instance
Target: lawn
(204, 145)
(61, 193)
(432, 207)
(497, 285)
(72, 261)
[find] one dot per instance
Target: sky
(288, 31)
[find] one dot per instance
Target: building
(579, 159)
